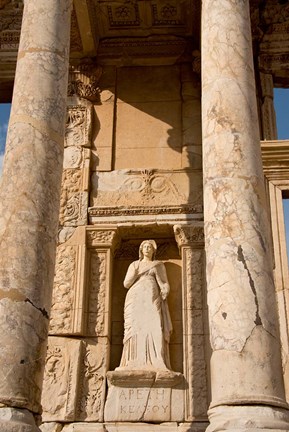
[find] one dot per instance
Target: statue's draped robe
(147, 322)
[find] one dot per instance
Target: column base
(17, 420)
(248, 418)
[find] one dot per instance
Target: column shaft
(246, 364)
(29, 199)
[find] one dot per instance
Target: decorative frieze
(147, 189)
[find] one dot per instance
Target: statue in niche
(147, 322)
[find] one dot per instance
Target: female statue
(147, 322)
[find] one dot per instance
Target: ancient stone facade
(159, 125)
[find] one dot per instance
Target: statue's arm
(162, 280)
(131, 275)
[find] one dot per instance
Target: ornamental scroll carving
(76, 164)
(61, 379)
(147, 188)
(78, 125)
(92, 381)
(97, 293)
(63, 290)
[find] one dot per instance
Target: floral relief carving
(59, 395)
(168, 11)
(78, 126)
(123, 12)
(149, 183)
(92, 379)
(63, 290)
(126, 15)
(73, 201)
(97, 293)
(168, 14)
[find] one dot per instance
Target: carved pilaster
(76, 164)
(101, 243)
(68, 297)
(190, 239)
(80, 307)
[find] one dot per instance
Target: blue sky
(4, 117)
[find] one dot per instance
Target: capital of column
(102, 237)
(83, 81)
(189, 235)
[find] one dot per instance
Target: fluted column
(29, 206)
(246, 371)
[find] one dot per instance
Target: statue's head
(152, 244)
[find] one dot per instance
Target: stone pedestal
(246, 370)
(29, 203)
(144, 396)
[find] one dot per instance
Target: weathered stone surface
(241, 296)
(51, 427)
(29, 203)
(17, 420)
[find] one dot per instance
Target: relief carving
(59, 395)
(123, 16)
(95, 237)
(63, 290)
(189, 234)
(167, 15)
(78, 126)
(74, 190)
(83, 82)
(73, 202)
(147, 188)
(10, 24)
(148, 183)
(92, 379)
(97, 293)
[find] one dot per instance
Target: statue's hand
(164, 295)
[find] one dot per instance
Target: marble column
(29, 207)
(246, 371)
